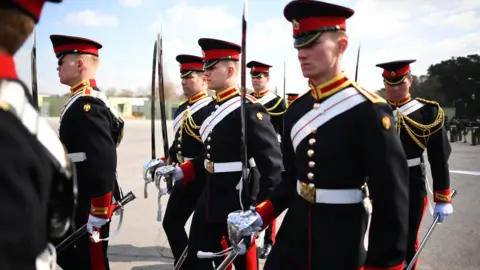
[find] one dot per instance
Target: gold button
(311, 141)
(179, 138)
(179, 152)
(313, 131)
(209, 138)
(316, 106)
(208, 147)
(180, 132)
(311, 164)
(208, 155)
(310, 152)
(310, 176)
(179, 145)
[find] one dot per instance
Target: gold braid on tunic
(189, 126)
(427, 130)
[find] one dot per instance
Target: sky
(427, 30)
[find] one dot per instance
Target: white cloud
(91, 18)
(130, 3)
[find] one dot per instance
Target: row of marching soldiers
(346, 163)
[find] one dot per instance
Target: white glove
(443, 210)
(150, 167)
(95, 222)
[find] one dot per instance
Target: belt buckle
(307, 191)
(180, 158)
(209, 166)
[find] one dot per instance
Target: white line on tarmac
(477, 173)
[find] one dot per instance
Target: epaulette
(426, 101)
(251, 98)
(374, 98)
(182, 103)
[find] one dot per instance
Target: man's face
(398, 92)
(193, 83)
(320, 56)
(216, 75)
(260, 82)
(68, 69)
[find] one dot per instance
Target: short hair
(15, 28)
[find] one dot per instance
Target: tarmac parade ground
(142, 244)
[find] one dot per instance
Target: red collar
(82, 84)
(226, 94)
(330, 87)
(401, 102)
(197, 97)
(260, 94)
(7, 67)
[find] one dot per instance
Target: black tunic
(346, 140)
(223, 145)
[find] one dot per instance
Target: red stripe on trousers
(97, 257)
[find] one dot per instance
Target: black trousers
(180, 206)
(270, 233)
(418, 205)
(84, 254)
(212, 237)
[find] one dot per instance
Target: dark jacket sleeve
(277, 111)
(22, 203)
(387, 172)
(280, 198)
(91, 123)
(263, 146)
(438, 151)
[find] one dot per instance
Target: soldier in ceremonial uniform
(91, 129)
(33, 162)
(187, 144)
(419, 123)
(221, 158)
(291, 97)
(276, 107)
(343, 156)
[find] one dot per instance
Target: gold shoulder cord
(427, 130)
(189, 125)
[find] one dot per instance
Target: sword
(163, 116)
(34, 70)
(358, 60)
(83, 230)
(426, 237)
(152, 113)
(246, 200)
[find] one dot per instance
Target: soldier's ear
(80, 63)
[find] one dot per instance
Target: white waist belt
(221, 167)
(414, 162)
(78, 157)
(187, 158)
(331, 196)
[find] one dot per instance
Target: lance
(152, 114)
(284, 94)
(358, 59)
(163, 116)
(83, 230)
(34, 70)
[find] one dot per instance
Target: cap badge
(393, 73)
